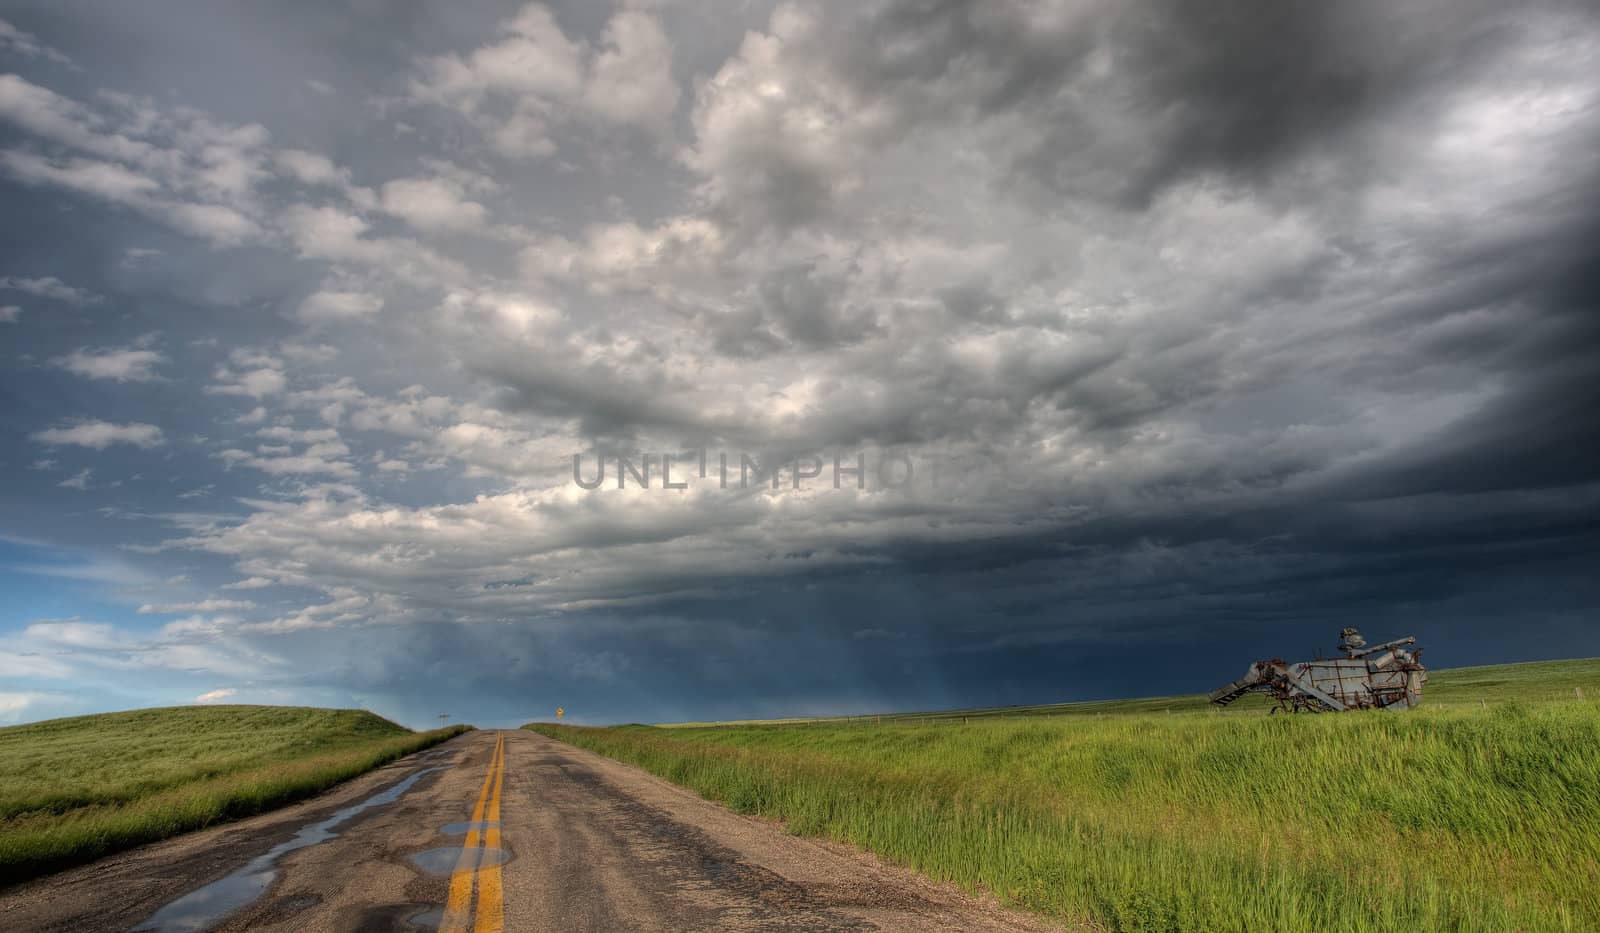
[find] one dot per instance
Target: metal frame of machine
(1386, 676)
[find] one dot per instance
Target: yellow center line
(459, 904)
(491, 903)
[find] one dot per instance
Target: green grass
(74, 789)
(1480, 811)
(1534, 681)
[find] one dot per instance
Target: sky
(1057, 350)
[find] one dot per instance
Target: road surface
(490, 832)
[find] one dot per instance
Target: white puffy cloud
(214, 222)
(101, 434)
(582, 549)
(44, 113)
(432, 205)
(311, 168)
(321, 452)
(630, 78)
(525, 134)
(249, 583)
(52, 288)
(121, 365)
(308, 436)
(179, 167)
(339, 305)
(337, 235)
(521, 87)
(319, 172)
(534, 57)
(461, 178)
(88, 176)
(324, 459)
(255, 383)
(204, 605)
(779, 137)
(251, 374)
(78, 480)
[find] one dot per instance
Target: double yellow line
(491, 914)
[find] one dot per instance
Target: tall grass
(1534, 681)
(74, 789)
(1462, 818)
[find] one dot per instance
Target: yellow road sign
(559, 712)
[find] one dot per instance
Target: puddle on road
(445, 861)
(429, 919)
(206, 906)
(461, 829)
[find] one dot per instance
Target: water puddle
(445, 861)
(429, 919)
(461, 829)
(205, 906)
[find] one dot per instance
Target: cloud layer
(1200, 331)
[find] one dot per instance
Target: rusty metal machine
(1386, 676)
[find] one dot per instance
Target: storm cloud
(1202, 331)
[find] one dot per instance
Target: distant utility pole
(443, 718)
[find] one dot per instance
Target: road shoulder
(833, 876)
(120, 890)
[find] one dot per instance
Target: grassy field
(1535, 682)
(1480, 811)
(74, 789)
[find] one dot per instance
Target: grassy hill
(74, 789)
(1480, 811)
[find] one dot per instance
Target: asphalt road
(490, 832)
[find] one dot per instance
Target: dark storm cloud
(1210, 328)
(1244, 89)
(808, 306)
(1125, 99)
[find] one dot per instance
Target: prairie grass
(1534, 681)
(74, 789)
(1477, 814)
